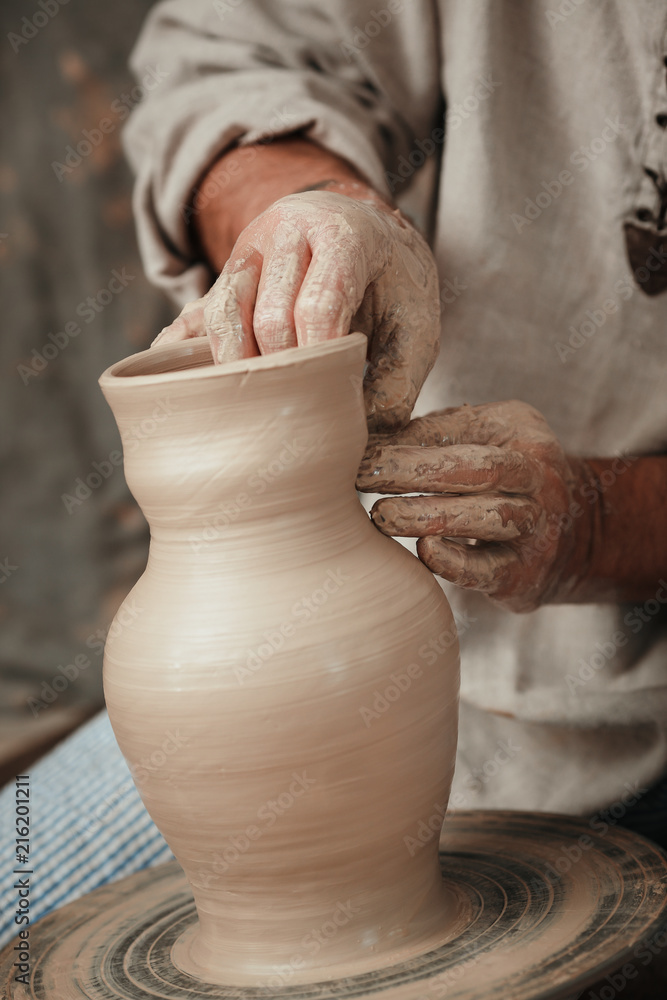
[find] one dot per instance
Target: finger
(406, 339)
(488, 518)
(390, 388)
(399, 361)
(488, 423)
(189, 323)
(456, 469)
(487, 568)
(229, 307)
(450, 426)
(332, 291)
(282, 276)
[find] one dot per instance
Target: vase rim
(192, 359)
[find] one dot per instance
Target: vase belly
(267, 755)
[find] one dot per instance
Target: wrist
(619, 545)
(246, 180)
(579, 526)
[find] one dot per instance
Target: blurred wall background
(74, 300)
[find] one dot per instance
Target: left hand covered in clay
(312, 267)
(498, 476)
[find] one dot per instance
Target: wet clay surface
(282, 638)
(528, 923)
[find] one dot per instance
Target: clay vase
(283, 679)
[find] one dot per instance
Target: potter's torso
(539, 303)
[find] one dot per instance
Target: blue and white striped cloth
(88, 826)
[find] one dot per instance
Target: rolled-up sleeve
(360, 79)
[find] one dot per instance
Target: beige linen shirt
(528, 139)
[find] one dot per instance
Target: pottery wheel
(539, 915)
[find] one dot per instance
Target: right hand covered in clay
(314, 266)
(495, 474)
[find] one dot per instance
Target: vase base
(544, 907)
(319, 960)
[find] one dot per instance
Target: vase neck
(276, 440)
(234, 528)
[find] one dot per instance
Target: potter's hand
(312, 267)
(498, 476)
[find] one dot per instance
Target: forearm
(624, 548)
(245, 181)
